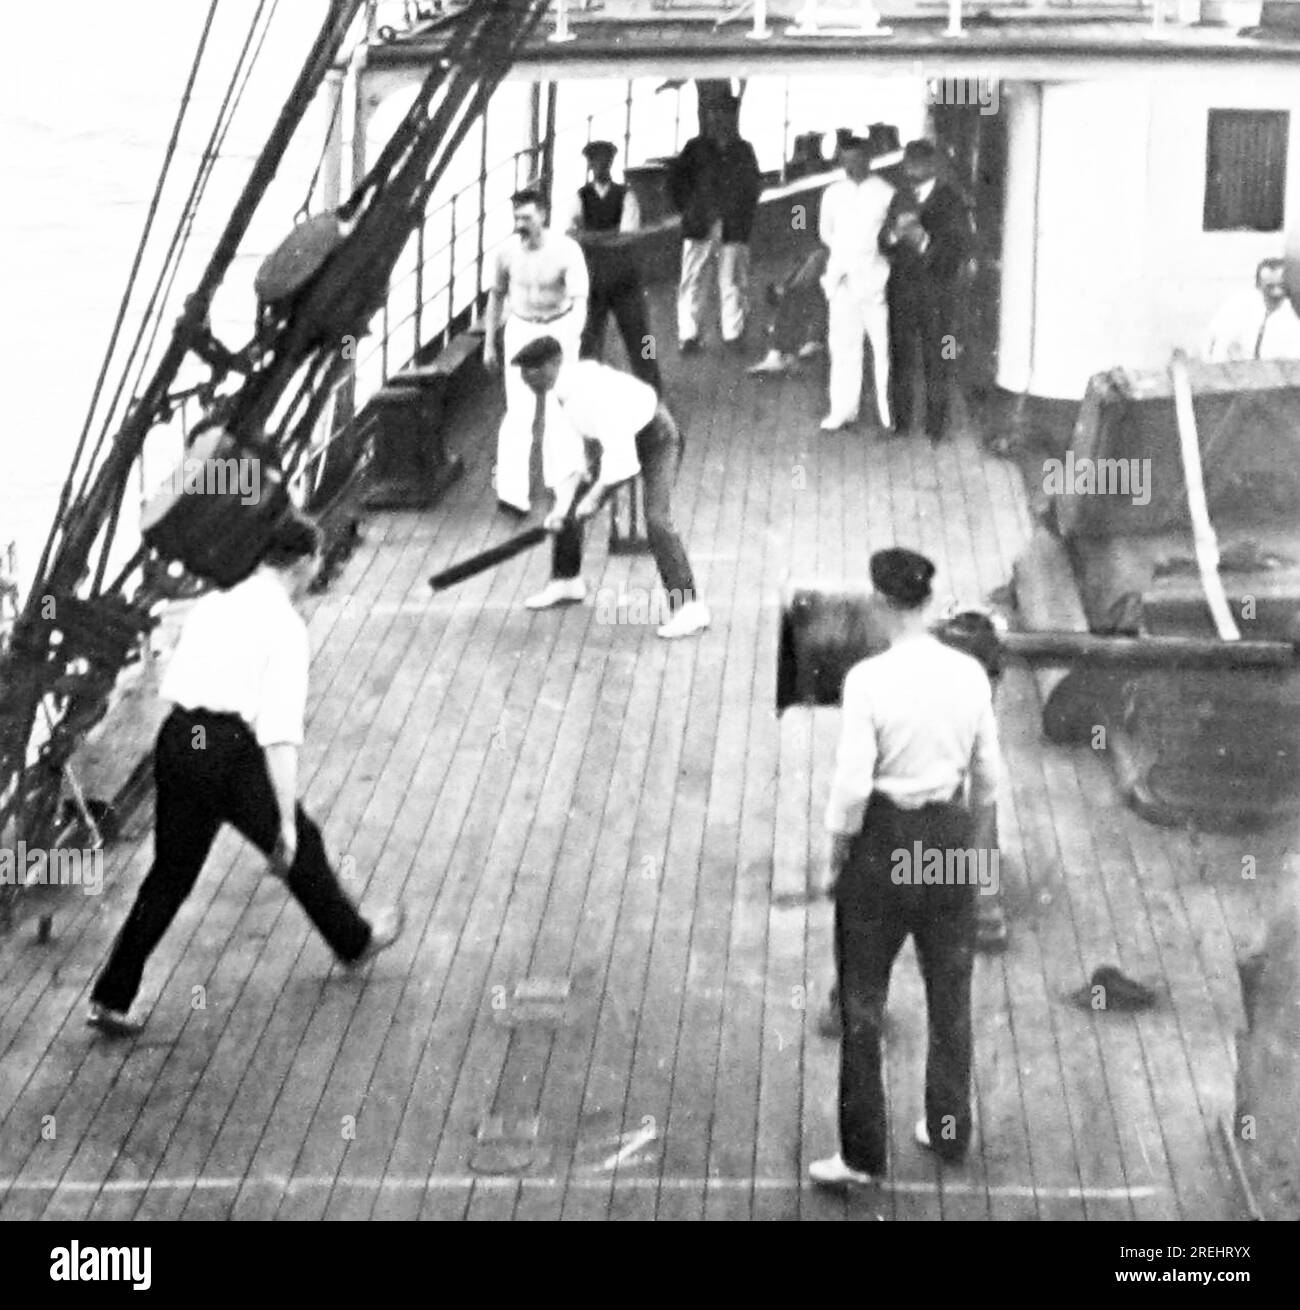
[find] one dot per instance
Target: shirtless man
(541, 276)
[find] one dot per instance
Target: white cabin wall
(1092, 209)
(1190, 272)
(1022, 102)
(1105, 261)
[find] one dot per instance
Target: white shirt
(852, 215)
(245, 651)
(917, 721)
(601, 404)
(629, 222)
(922, 190)
(541, 283)
(1242, 324)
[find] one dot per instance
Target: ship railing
(442, 280)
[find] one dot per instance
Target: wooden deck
(605, 1003)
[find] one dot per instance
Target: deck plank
(206, 910)
(560, 797)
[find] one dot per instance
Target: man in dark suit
(926, 236)
(715, 184)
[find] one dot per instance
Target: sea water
(86, 111)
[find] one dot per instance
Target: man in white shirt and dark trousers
(853, 214)
(228, 753)
(1257, 324)
(541, 279)
(917, 726)
(634, 433)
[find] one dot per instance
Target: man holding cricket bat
(228, 753)
(634, 433)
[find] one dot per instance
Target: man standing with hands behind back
(541, 279)
(917, 725)
(604, 219)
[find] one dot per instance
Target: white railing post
(805, 21)
(760, 31)
(869, 24)
(954, 19)
(562, 32)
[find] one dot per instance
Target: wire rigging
(175, 254)
(212, 153)
(176, 250)
(65, 493)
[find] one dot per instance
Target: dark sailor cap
(538, 352)
(597, 149)
(902, 575)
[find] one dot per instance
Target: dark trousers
(873, 918)
(622, 295)
(208, 770)
(923, 328)
(659, 450)
(800, 318)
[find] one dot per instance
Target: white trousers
(515, 437)
(853, 317)
(733, 284)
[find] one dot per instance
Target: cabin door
(975, 142)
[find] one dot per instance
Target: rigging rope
(184, 226)
(65, 493)
(212, 152)
(176, 251)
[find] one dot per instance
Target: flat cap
(538, 352)
(595, 149)
(902, 575)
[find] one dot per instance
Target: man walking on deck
(541, 278)
(228, 753)
(917, 726)
(632, 432)
(604, 218)
(715, 185)
(852, 217)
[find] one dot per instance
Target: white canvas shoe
(833, 1172)
(385, 928)
(833, 424)
(559, 591)
(811, 349)
(693, 617)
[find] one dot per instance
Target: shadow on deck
(606, 1000)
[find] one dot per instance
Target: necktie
(1259, 340)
